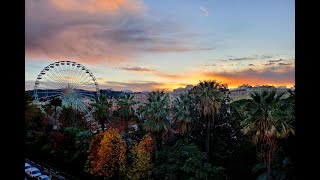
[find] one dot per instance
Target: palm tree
(155, 112)
(102, 109)
(140, 110)
(267, 118)
(126, 111)
(182, 114)
(208, 97)
(291, 102)
(55, 102)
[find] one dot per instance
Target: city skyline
(149, 45)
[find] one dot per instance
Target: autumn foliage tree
(141, 168)
(107, 154)
(93, 152)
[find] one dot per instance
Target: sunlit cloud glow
(138, 86)
(95, 6)
(268, 76)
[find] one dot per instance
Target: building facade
(141, 98)
(244, 91)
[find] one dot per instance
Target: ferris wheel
(71, 82)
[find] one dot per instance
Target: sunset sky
(151, 44)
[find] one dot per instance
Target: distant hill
(127, 91)
(109, 93)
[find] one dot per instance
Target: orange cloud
(169, 76)
(94, 6)
(269, 76)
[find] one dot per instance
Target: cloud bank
(271, 75)
(96, 31)
(137, 69)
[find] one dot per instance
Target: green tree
(155, 112)
(267, 118)
(36, 124)
(126, 111)
(208, 96)
(282, 168)
(140, 122)
(102, 110)
(182, 114)
(184, 162)
(290, 101)
(70, 117)
(82, 143)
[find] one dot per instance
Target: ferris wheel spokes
(73, 83)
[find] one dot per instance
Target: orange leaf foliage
(141, 167)
(107, 158)
(146, 144)
(93, 151)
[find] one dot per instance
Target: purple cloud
(89, 33)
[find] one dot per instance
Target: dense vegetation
(199, 135)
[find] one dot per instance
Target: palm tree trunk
(126, 128)
(185, 139)
(207, 140)
(185, 135)
(156, 139)
(55, 116)
(159, 142)
(269, 166)
(102, 124)
(213, 135)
